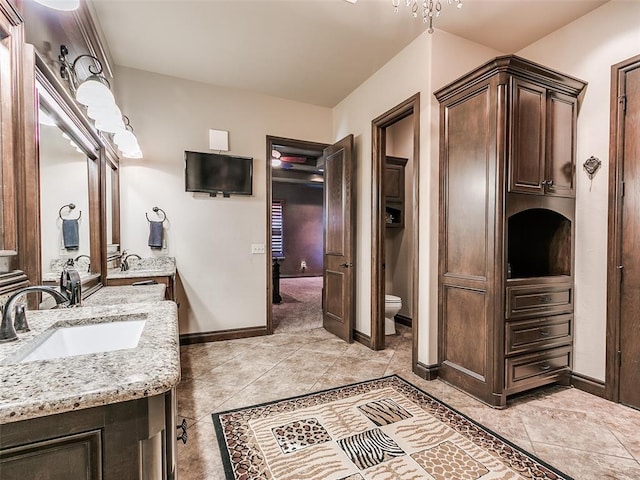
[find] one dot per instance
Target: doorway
(295, 189)
(395, 223)
(623, 269)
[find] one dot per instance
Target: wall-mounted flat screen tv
(214, 173)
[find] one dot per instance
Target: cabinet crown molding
(514, 65)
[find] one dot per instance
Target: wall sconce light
(64, 5)
(94, 92)
(127, 142)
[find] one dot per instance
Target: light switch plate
(257, 248)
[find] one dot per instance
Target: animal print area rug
(383, 429)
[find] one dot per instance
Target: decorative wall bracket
(591, 166)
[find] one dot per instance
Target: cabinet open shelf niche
(538, 244)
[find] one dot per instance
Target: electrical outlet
(257, 248)
(303, 265)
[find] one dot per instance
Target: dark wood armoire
(506, 228)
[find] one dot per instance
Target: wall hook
(591, 165)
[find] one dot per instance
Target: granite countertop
(41, 388)
(55, 276)
(146, 267)
(126, 294)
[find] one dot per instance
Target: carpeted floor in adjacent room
(301, 307)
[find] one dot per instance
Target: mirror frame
(88, 139)
(12, 140)
(112, 163)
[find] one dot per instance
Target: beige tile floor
(585, 436)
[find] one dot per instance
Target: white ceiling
(313, 51)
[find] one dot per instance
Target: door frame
(614, 253)
(271, 142)
(410, 106)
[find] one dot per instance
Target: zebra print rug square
(383, 429)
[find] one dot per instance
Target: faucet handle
(20, 322)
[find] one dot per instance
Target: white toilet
(392, 306)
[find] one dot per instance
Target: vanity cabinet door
(71, 456)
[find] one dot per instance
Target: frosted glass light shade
(108, 112)
(125, 140)
(133, 154)
(66, 5)
(94, 93)
(110, 125)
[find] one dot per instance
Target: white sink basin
(84, 339)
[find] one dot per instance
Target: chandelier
(430, 9)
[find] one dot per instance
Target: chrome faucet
(71, 286)
(7, 329)
(125, 264)
(84, 256)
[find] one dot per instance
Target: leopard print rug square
(383, 429)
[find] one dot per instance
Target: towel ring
(70, 206)
(156, 210)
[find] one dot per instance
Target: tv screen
(214, 173)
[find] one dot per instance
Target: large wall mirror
(68, 153)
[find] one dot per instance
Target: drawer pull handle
(544, 333)
(183, 436)
(545, 367)
(545, 299)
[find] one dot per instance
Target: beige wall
(398, 244)
(224, 284)
(423, 66)
(586, 49)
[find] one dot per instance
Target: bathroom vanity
(155, 269)
(106, 414)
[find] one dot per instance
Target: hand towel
(156, 231)
(70, 234)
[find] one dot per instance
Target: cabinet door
(561, 141)
(394, 183)
(76, 456)
(527, 137)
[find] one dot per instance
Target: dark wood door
(338, 301)
(630, 235)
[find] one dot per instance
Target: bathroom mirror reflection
(64, 195)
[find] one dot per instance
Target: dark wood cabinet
(506, 228)
(132, 440)
(394, 191)
(542, 151)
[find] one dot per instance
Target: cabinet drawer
(529, 335)
(539, 300)
(536, 367)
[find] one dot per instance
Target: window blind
(277, 229)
